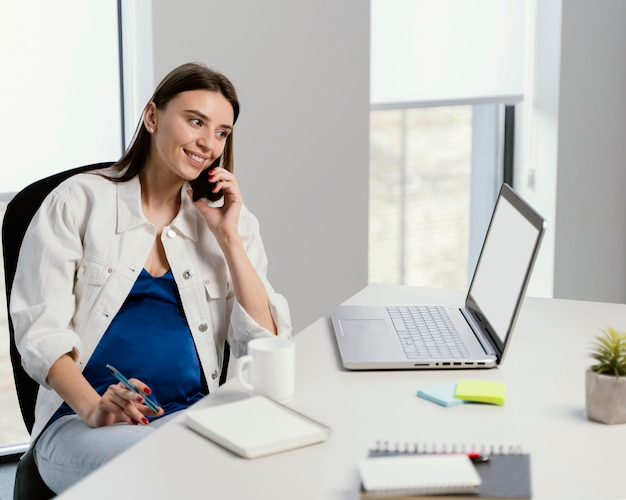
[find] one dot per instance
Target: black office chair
(19, 213)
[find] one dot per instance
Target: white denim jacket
(81, 256)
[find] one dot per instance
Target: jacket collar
(130, 214)
(188, 218)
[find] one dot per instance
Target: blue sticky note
(444, 395)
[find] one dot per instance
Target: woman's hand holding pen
(117, 404)
(120, 404)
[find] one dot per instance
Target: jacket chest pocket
(215, 288)
(91, 277)
(216, 294)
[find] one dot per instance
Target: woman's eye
(197, 122)
(222, 134)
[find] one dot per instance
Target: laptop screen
(504, 265)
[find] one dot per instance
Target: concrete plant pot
(605, 398)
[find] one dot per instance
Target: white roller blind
(446, 51)
(60, 87)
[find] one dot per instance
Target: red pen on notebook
(477, 457)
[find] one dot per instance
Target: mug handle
(244, 361)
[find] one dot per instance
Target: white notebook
(418, 475)
(256, 426)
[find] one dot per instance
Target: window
(62, 73)
(426, 221)
(420, 163)
(64, 80)
(442, 109)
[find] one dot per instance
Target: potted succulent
(606, 380)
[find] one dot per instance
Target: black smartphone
(201, 186)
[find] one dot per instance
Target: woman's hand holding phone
(202, 186)
(223, 220)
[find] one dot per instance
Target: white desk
(571, 457)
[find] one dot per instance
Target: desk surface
(544, 413)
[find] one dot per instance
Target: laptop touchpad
(365, 330)
(367, 340)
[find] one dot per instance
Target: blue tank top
(149, 340)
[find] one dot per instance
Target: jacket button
(203, 327)
(187, 274)
(214, 375)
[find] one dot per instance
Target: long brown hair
(190, 76)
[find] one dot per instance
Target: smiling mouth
(194, 157)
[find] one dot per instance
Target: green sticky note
(481, 391)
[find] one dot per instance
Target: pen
(153, 406)
(478, 457)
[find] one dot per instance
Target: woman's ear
(149, 117)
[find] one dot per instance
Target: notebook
(418, 475)
(504, 471)
(473, 335)
(256, 426)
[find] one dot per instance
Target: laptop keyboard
(426, 331)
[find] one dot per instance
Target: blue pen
(153, 406)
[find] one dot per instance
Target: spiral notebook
(418, 475)
(504, 471)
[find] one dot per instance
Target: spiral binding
(384, 448)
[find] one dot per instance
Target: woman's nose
(206, 140)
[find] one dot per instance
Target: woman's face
(190, 133)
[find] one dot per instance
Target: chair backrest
(19, 213)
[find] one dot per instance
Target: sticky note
(444, 395)
(481, 391)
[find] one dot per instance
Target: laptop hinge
(478, 332)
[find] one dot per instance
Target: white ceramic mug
(269, 368)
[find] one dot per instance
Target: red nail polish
(147, 390)
(144, 420)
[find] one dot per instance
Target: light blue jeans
(69, 449)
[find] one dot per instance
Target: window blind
(443, 52)
(60, 86)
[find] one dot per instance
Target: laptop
(473, 335)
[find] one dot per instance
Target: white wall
(301, 69)
(575, 148)
(590, 250)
